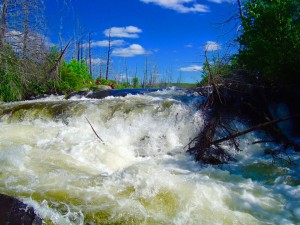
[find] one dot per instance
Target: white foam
(140, 172)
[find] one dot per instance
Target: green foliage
(73, 76)
(271, 40)
(10, 82)
(123, 85)
(135, 82)
(24, 78)
(217, 69)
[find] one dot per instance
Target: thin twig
(95, 131)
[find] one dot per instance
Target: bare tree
(100, 67)
(3, 22)
(145, 72)
(240, 9)
(179, 78)
(108, 55)
(154, 74)
(78, 50)
(126, 71)
(90, 54)
(26, 29)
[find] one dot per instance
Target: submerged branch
(259, 126)
(95, 131)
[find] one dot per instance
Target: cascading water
(51, 159)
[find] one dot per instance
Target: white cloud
(221, 1)
(181, 6)
(192, 68)
(188, 46)
(212, 46)
(123, 32)
(98, 61)
(131, 51)
(104, 43)
(35, 41)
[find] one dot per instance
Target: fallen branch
(54, 68)
(95, 131)
(261, 141)
(262, 125)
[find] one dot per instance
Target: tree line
(30, 66)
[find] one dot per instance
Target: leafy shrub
(74, 76)
(10, 80)
(135, 82)
(271, 41)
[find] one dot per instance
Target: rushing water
(51, 159)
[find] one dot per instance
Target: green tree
(73, 76)
(135, 82)
(11, 88)
(270, 42)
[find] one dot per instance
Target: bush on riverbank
(22, 78)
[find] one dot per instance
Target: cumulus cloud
(123, 32)
(212, 46)
(104, 43)
(192, 68)
(98, 61)
(131, 51)
(181, 6)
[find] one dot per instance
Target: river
(51, 159)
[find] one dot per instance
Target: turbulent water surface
(51, 159)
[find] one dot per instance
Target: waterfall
(51, 159)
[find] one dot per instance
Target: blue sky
(171, 34)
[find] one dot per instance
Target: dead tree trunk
(26, 29)
(240, 9)
(53, 71)
(90, 55)
(3, 23)
(108, 56)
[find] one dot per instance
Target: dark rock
(78, 93)
(111, 92)
(15, 212)
(119, 93)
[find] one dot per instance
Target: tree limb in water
(95, 131)
(259, 126)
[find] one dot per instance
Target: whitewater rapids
(51, 159)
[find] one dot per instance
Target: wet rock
(15, 212)
(110, 92)
(78, 94)
(119, 93)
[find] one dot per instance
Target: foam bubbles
(53, 161)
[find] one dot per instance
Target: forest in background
(30, 66)
(268, 54)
